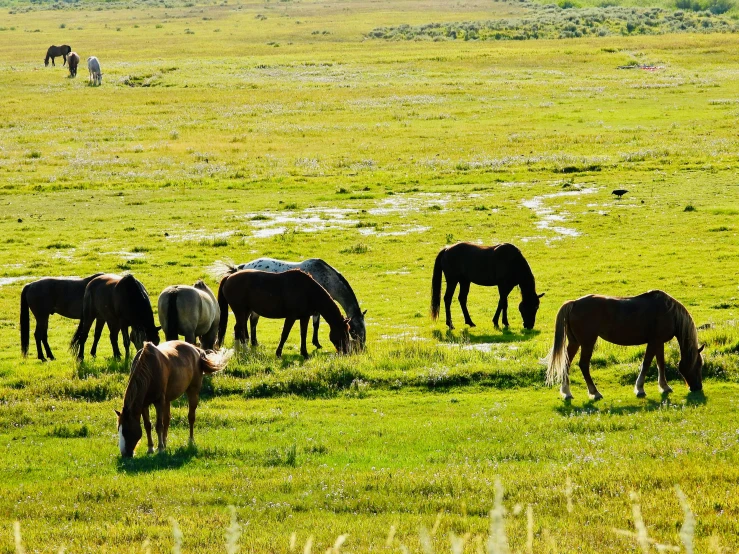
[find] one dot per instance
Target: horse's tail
(213, 361)
(220, 268)
(436, 285)
(223, 305)
(78, 339)
(173, 319)
(25, 324)
(557, 360)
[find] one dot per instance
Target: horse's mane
(323, 294)
(138, 382)
(348, 287)
(138, 305)
(685, 330)
(527, 282)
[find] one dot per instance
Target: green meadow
(286, 129)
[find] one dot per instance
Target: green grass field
(249, 129)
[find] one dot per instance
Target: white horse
(325, 275)
(96, 76)
(190, 311)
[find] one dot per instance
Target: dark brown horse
(55, 52)
(292, 295)
(74, 60)
(159, 375)
(121, 302)
(47, 296)
(652, 318)
(502, 265)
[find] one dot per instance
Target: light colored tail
(220, 268)
(212, 361)
(557, 361)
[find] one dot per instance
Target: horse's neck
(135, 398)
(326, 306)
(526, 281)
(343, 294)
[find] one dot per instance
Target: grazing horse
(652, 318)
(159, 375)
(74, 61)
(47, 296)
(93, 66)
(502, 265)
(121, 302)
(190, 311)
(55, 52)
(292, 295)
(325, 275)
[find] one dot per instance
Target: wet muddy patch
(551, 218)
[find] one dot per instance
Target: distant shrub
(59, 245)
(359, 248)
(70, 432)
(689, 208)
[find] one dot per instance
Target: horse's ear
(701, 348)
(540, 295)
(364, 313)
(117, 412)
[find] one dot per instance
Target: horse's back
(182, 361)
(270, 265)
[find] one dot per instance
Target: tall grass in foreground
(496, 543)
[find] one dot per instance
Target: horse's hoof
(317, 345)
(640, 393)
(566, 396)
(151, 450)
(305, 355)
(665, 390)
(596, 396)
(471, 324)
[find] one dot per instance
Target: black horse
(55, 52)
(121, 302)
(502, 265)
(45, 297)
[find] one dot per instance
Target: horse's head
(528, 308)
(339, 336)
(691, 369)
(129, 432)
(357, 331)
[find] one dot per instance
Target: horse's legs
(464, 290)
(304, 336)
(147, 426)
(64, 57)
(99, 324)
(114, 329)
(84, 332)
(42, 326)
(253, 320)
(289, 322)
(126, 339)
(240, 333)
(448, 296)
(159, 406)
(167, 419)
(572, 348)
(316, 323)
(192, 400)
(648, 355)
(503, 291)
(664, 388)
(585, 354)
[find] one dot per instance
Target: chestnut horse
(74, 61)
(121, 302)
(159, 375)
(652, 318)
(292, 295)
(502, 265)
(45, 297)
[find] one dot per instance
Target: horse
(502, 265)
(325, 275)
(652, 318)
(121, 302)
(189, 311)
(93, 66)
(159, 375)
(56, 51)
(292, 295)
(47, 296)
(74, 60)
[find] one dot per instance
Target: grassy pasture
(278, 129)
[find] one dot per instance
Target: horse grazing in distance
(652, 318)
(121, 302)
(502, 265)
(93, 66)
(325, 275)
(292, 295)
(74, 61)
(159, 375)
(55, 52)
(190, 311)
(47, 296)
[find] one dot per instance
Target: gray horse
(96, 76)
(190, 311)
(325, 275)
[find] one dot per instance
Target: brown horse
(47, 296)
(652, 318)
(121, 302)
(502, 265)
(159, 375)
(74, 60)
(292, 295)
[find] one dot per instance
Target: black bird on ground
(620, 192)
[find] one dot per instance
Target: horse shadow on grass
(505, 335)
(109, 366)
(169, 459)
(647, 404)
